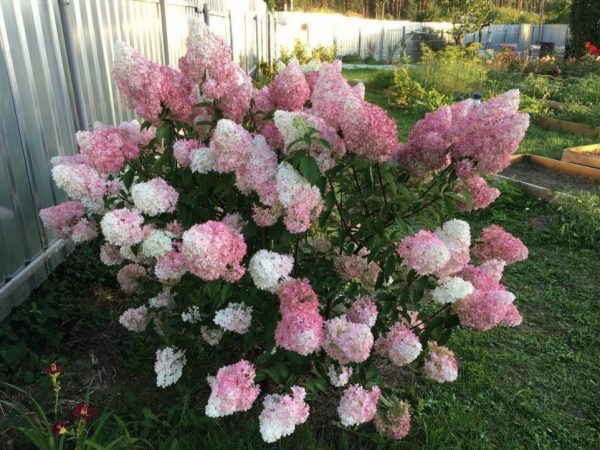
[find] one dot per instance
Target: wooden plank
(569, 127)
(567, 168)
(586, 155)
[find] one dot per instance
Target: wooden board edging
(570, 127)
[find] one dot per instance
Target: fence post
(231, 33)
(360, 42)
(382, 42)
(403, 41)
(163, 23)
(269, 58)
(257, 40)
(206, 14)
(73, 67)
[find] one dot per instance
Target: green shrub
(453, 71)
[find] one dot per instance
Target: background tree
(585, 24)
(466, 16)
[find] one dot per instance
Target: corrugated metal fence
(55, 77)
(386, 40)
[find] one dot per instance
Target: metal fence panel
(36, 125)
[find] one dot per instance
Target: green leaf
(310, 170)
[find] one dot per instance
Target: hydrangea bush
(284, 237)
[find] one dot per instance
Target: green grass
(550, 143)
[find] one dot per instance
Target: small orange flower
(59, 428)
(54, 370)
(83, 412)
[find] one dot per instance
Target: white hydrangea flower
(169, 366)
(289, 182)
(455, 233)
(212, 336)
(192, 315)
(135, 319)
(203, 160)
(451, 290)
(311, 66)
(154, 197)
(157, 244)
(268, 269)
(236, 317)
(339, 378)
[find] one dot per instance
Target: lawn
(533, 386)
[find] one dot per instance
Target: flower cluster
(358, 405)
(232, 389)
(301, 326)
(169, 366)
(282, 413)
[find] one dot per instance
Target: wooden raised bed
(554, 180)
(570, 127)
(586, 155)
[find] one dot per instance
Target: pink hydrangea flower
(208, 61)
(512, 317)
(301, 332)
(441, 365)
(154, 197)
(213, 250)
(482, 194)
(485, 277)
(395, 423)
(264, 217)
(178, 94)
(400, 345)
(350, 266)
(358, 405)
(368, 130)
(363, 310)
(231, 144)
(297, 295)
(259, 172)
(232, 389)
(483, 310)
(282, 413)
(302, 202)
(123, 227)
(170, 267)
(107, 148)
(183, 149)
(263, 99)
(110, 255)
(425, 252)
(135, 319)
(289, 90)
(138, 80)
(347, 341)
(496, 243)
(329, 93)
(61, 219)
(83, 231)
(129, 277)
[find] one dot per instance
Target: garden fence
(387, 40)
(55, 77)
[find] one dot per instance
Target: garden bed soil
(533, 174)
